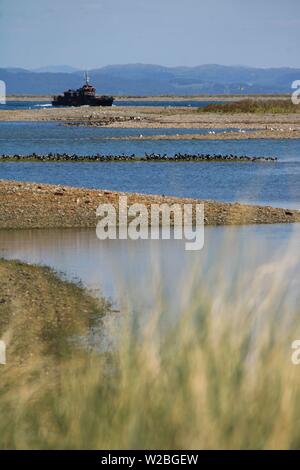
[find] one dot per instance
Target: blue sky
(93, 33)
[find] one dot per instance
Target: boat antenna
(86, 77)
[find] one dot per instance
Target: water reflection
(139, 268)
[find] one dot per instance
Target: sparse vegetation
(252, 106)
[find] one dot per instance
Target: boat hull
(82, 101)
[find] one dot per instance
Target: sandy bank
(29, 205)
(141, 117)
(225, 135)
(160, 97)
(34, 299)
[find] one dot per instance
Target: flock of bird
(157, 157)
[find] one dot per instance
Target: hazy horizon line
(82, 68)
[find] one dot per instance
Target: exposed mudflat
(276, 126)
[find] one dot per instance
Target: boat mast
(86, 77)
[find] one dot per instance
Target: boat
(86, 95)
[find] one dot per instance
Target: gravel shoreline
(32, 205)
(173, 98)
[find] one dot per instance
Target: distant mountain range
(140, 79)
(56, 69)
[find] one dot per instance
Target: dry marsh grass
(279, 106)
(218, 376)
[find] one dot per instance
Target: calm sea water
(277, 184)
(43, 104)
(28, 137)
(115, 267)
